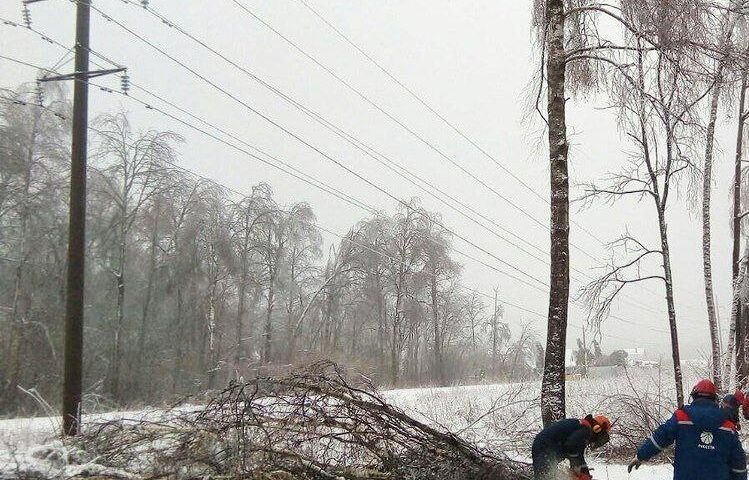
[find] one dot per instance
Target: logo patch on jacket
(707, 439)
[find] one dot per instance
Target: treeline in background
(190, 284)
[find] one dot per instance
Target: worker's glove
(584, 476)
(634, 465)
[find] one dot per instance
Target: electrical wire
(109, 18)
(374, 154)
(444, 120)
(300, 176)
(207, 133)
(402, 202)
(347, 237)
(337, 162)
(420, 138)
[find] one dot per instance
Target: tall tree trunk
(706, 250)
(15, 350)
(327, 318)
(495, 332)
(290, 340)
(143, 330)
(336, 323)
(395, 343)
(395, 350)
(552, 386)
(381, 321)
(119, 320)
(268, 332)
(741, 323)
(675, 356)
(251, 346)
(16, 339)
(178, 347)
(239, 352)
(744, 372)
(734, 328)
(439, 361)
(214, 337)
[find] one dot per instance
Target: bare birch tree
(552, 24)
(728, 22)
(567, 33)
(657, 106)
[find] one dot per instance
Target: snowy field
(503, 417)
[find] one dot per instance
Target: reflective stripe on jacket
(707, 445)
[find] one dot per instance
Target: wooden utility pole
(72, 388)
(73, 366)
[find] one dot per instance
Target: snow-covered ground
(619, 472)
(462, 409)
(494, 416)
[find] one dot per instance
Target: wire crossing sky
(461, 144)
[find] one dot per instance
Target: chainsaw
(572, 475)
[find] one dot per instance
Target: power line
(468, 256)
(351, 139)
(434, 111)
(148, 106)
(345, 199)
(446, 121)
(309, 180)
(420, 138)
(309, 145)
(192, 71)
(366, 149)
(458, 251)
(171, 24)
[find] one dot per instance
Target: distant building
(635, 355)
(646, 363)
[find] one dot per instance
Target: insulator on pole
(125, 83)
(26, 12)
(144, 3)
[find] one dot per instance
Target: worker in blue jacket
(567, 439)
(707, 445)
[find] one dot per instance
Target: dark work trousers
(545, 463)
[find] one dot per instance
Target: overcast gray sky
(472, 61)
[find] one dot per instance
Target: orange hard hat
(602, 424)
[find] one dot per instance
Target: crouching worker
(707, 445)
(730, 406)
(568, 439)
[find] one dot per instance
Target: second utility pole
(72, 387)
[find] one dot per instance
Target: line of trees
(665, 67)
(189, 285)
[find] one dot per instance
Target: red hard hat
(705, 388)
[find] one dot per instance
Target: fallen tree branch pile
(313, 424)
